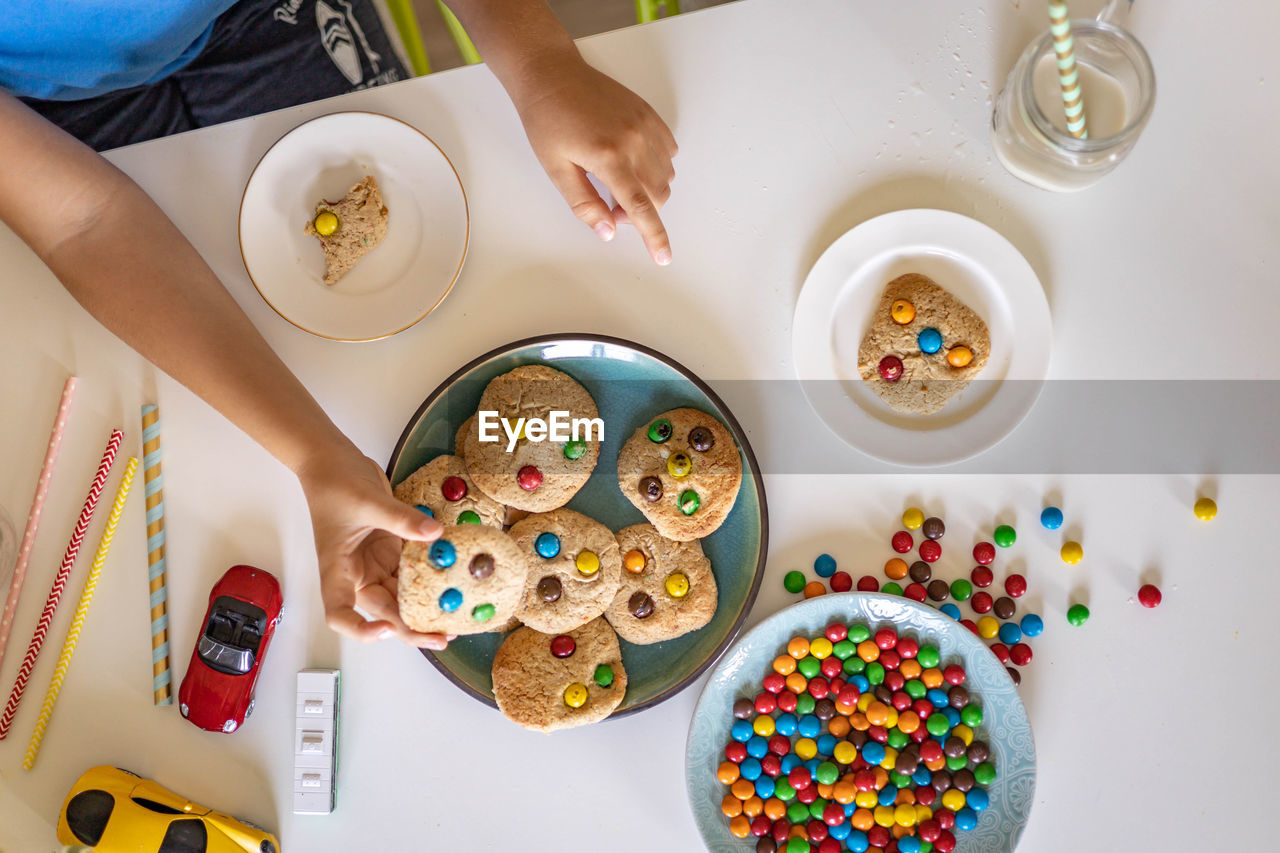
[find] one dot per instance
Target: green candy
(816, 807)
(797, 812)
(482, 612)
(468, 517)
(891, 588)
(805, 704)
(898, 780)
(1078, 614)
(961, 590)
(957, 762)
(793, 581)
(798, 845)
(928, 656)
(1004, 536)
(984, 774)
(604, 675)
(915, 688)
(844, 649)
(827, 773)
(971, 715)
(660, 430)
(809, 667)
(783, 790)
(689, 501)
(926, 847)
(859, 633)
(875, 673)
(855, 666)
(937, 725)
(898, 739)
(574, 449)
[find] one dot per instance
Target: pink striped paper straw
(33, 518)
(60, 581)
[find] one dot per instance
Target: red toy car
(244, 609)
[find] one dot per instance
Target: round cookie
(536, 476)
(573, 571)
(667, 587)
(468, 581)
(541, 688)
(460, 437)
(442, 486)
(684, 491)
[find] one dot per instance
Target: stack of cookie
(514, 557)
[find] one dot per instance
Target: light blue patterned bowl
(630, 384)
(739, 673)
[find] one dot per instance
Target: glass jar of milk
(1029, 125)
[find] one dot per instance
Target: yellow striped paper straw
(1068, 72)
(154, 479)
(77, 623)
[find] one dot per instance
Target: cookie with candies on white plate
(667, 589)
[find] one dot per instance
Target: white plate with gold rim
(401, 280)
(980, 268)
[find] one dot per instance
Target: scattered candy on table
(1078, 614)
(1149, 595)
(824, 566)
(793, 581)
(1004, 536)
(1206, 509)
(1072, 553)
(1051, 518)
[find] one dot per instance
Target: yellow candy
(912, 519)
(988, 627)
(820, 648)
(677, 585)
(845, 752)
(634, 562)
(905, 815)
(902, 312)
(1072, 553)
(963, 732)
(806, 748)
(679, 465)
(866, 800)
(883, 815)
(587, 562)
(326, 223)
(953, 800)
(865, 700)
(1206, 509)
(959, 356)
(575, 695)
(893, 718)
(923, 813)
(763, 725)
(890, 758)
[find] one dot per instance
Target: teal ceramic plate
(630, 384)
(1005, 726)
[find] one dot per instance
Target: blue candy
(966, 819)
(547, 545)
(976, 799)
(450, 599)
(1032, 625)
(750, 769)
(442, 554)
(872, 752)
(841, 830)
(1010, 633)
(812, 766)
(849, 809)
(741, 731)
(824, 566)
(790, 762)
(888, 794)
(951, 610)
(826, 744)
(785, 725)
(922, 776)
(757, 747)
(860, 681)
(952, 715)
(857, 842)
(426, 510)
(765, 787)
(810, 726)
(910, 844)
(930, 340)
(938, 697)
(1051, 518)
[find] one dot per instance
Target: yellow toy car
(114, 811)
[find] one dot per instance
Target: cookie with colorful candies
(443, 487)
(469, 581)
(668, 588)
(573, 569)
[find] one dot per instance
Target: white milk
(1104, 103)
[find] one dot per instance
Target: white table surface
(796, 121)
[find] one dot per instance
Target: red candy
(908, 647)
(735, 752)
(930, 551)
(984, 553)
(1149, 595)
(819, 687)
(890, 368)
(886, 638)
(807, 795)
(953, 674)
(771, 765)
(816, 830)
(841, 582)
(781, 830)
(925, 795)
(563, 646)
(893, 679)
(916, 592)
(923, 708)
(1020, 654)
(799, 778)
(971, 625)
(902, 542)
(786, 701)
(836, 631)
(774, 683)
(981, 576)
(453, 488)
(766, 702)
(878, 836)
(931, 750)
(868, 583)
(779, 745)
(761, 826)
(529, 478)
(928, 830)
(889, 659)
(879, 734)
(830, 845)
(946, 819)
(1015, 585)
(946, 842)
(900, 701)
(1001, 651)
(848, 696)
(981, 602)
(831, 666)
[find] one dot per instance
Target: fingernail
(662, 257)
(604, 230)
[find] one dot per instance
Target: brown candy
(549, 589)
(824, 709)
(906, 764)
(1004, 607)
(640, 605)
(883, 694)
(744, 709)
(958, 696)
(941, 781)
(920, 571)
(954, 747)
(766, 844)
(1015, 675)
(701, 439)
(933, 528)
(651, 489)
(938, 590)
(857, 738)
(481, 566)
(979, 751)
(963, 780)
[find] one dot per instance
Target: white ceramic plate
(978, 266)
(398, 283)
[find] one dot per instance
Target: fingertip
(604, 230)
(662, 257)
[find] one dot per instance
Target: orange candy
(753, 807)
(844, 791)
(731, 806)
(740, 827)
(727, 773)
(798, 831)
(959, 356)
(742, 789)
(877, 713)
(784, 664)
(931, 677)
(859, 721)
(862, 819)
(905, 795)
(910, 669)
(839, 727)
(775, 809)
(869, 651)
(882, 776)
(902, 312)
(813, 589)
(797, 683)
(900, 831)
(798, 647)
(896, 568)
(908, 722)
(634, 561)
(936, 764)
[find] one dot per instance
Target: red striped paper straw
(33, 517)
(60, 581)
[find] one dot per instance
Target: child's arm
(578, 120)
(130, 267)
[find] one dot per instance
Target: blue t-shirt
(73, 49)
